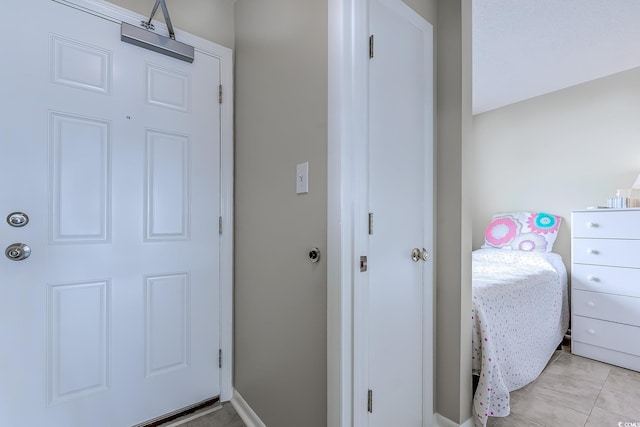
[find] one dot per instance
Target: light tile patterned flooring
(574, 391)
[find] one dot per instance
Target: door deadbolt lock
(17, 219)
(314, 255)
(17, 251)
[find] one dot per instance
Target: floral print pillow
(522, 231)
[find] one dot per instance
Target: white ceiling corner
(526, 48)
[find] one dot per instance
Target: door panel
(400, 197)
(114, 153)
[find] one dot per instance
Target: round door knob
(417, 255)
(592, 225)
(17, 251)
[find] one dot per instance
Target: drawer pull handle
(592, 224)
(593, 279)
(592, 251)
(591, 331)
(591, 304)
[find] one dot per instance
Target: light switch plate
(302, 178)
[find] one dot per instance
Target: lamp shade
(636, 184)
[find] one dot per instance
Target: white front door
(400, 306)
(113, 152)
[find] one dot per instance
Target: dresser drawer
(615, 252)
(614, 336)
(612, 280)
(615, 308)
(611, 357)
(624, 224)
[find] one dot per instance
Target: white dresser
(605, 286)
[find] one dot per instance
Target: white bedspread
(520, 315)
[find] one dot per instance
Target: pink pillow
(522, 231)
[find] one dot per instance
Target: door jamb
(119, 14)
(346, 204)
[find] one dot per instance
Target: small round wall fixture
(314, 254)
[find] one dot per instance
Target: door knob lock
(417, 255)
(17, 251)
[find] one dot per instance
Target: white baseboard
(245, 412)
(468, 423)
(441, 421)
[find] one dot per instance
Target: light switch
(302, 178)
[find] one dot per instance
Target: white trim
(344, 135)
(359, 176)
(468, 423)
(226, 212)
(118, 14)
(441, 421)
(245, 412)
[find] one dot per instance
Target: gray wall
(428, 9)
(558, 152)
(280, 297)
(453, 228)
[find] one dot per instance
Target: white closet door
(400, 306)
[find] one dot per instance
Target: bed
(519, 311)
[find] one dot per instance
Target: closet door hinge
(370, 223)
(370, 401)
(220, 225)
(371, 46)
(220, 94)
(220, 358)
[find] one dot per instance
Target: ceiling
(526, 48)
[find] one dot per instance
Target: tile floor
(574, 391)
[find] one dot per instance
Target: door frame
(347, 215)
(347, 131)
(119, 14)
